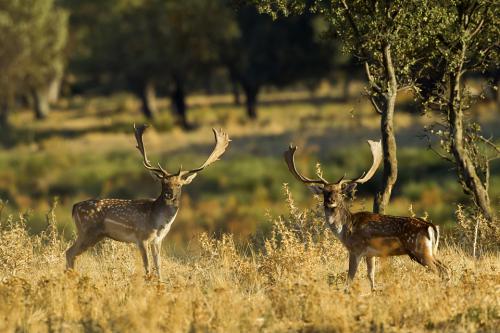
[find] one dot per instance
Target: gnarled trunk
(147, 94)
(55, 89)
(235, 89)
(390, 173)
(178, 98)
(41, 102)
(251, 93)
(465, 166)
(4, 116)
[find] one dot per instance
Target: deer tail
(436, 243)
(433, 234)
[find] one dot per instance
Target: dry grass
(292, 281)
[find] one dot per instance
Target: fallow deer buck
(144, 222)
(366, 234)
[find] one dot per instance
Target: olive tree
(277, 52)
(148, 44)
(389, 38)
(32, 40)
(467, 44)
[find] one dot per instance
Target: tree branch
(375, 105)
(439, 154)
(488, 142)
(477, 30)
(351, 20)
(371, 80)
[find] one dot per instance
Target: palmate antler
(221, 143)
(375, 147)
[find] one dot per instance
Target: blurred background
(75, 75)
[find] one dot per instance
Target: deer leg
(424, 256)
(144, 254)
(370, 267)
(435, 265)
(423, 253)
(353, 267)
(81, 244)
(156, 251)
(72, 252)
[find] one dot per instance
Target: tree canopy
(32, 40)
(275, 52)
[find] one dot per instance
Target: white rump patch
(429, 242)
(436, 243)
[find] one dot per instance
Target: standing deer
(366, 234)
(144, 222)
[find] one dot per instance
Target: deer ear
(316, 189)
(349, 189)
(190, 178)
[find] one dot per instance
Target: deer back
(388, 235)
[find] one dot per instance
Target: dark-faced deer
(366, 234)
(144, 222)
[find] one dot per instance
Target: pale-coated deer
(144, 222)
(367, 234)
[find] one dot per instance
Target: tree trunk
(40, 102)
(235, 89)
(147, 94)
(4, 116)
(251, 101)
(54, 89)
(465, 166)
(179, 103)
(390, 173)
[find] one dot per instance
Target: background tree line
(151, 48)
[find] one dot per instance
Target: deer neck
(339, 220)
(165, 208)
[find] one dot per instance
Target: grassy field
(292, 281)
(242, 255)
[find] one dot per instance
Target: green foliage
(136, 42)
(276, 52)
(468, 43)
(33, 36)
(367, 27)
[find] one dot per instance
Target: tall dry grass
(292, 281)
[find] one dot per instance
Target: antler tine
(341, 180)
(290, 162)
(221, 143)
(376, 149)
(139, 131)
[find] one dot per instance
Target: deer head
(173, 182)
(335, 194)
